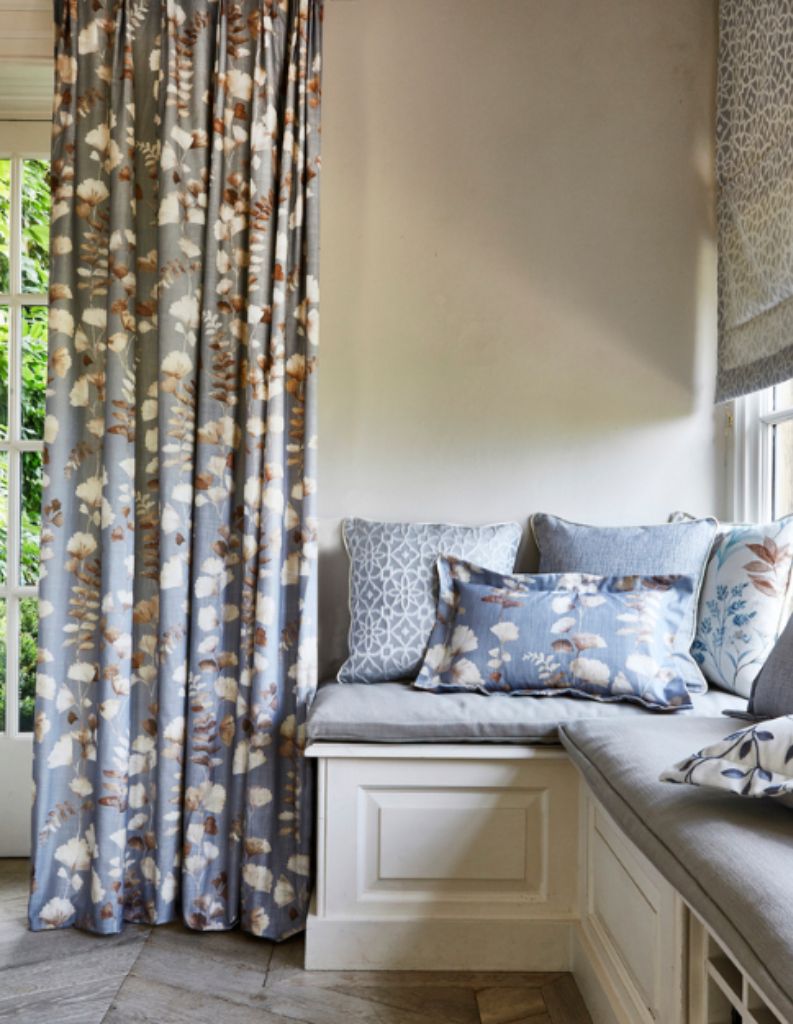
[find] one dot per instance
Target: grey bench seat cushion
(730, 859)
(396, 713)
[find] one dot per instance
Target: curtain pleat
(178, 593)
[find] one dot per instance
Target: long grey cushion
(729, 858)
(396, 713)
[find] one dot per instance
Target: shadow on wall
(334, 612)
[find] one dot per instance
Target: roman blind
(754, 169)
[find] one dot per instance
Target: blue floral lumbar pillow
(745, 601)
(607, 638)
(753, 762)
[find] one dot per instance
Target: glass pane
(5, 340)
(5, 224)
(34, 370)
(35, 225)
(3, 516)
(28, 644)
(3, 634)
(31, 516)
(783, 468)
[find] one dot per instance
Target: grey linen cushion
(728, 858)
(661, 550)
(398, 713)
(394, 588)
(772, 690)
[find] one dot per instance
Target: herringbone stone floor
(169, 975)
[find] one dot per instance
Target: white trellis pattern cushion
(394, 588)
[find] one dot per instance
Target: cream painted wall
(518, 265)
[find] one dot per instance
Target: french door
(24, 245)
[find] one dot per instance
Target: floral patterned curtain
(178, 597)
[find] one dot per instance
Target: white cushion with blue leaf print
(753, 762)
(745, 600)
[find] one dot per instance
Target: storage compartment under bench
(460, 840)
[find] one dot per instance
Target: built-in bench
(730, 860)
(455, 832)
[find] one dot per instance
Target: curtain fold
(754, 167)
(177, 643)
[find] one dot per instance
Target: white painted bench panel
(493, 835)
(633, 925)
(469, 846)
(466, 837)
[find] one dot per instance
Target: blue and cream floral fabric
(605, 638)
(178, 638)
(744, 603)
(753, 762)
(393, 588)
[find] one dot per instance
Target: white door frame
(17, 140)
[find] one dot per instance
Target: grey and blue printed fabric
(394, 587)
(666, 549)
(753, 762)
(606, 638)
(745, 601)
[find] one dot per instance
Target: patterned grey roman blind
(754, 167)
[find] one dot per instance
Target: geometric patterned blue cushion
(393, 588)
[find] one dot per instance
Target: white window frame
(18, 141)
(754, 418)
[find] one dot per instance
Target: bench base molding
(448, 857)
(603, 998)
(437, 945)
